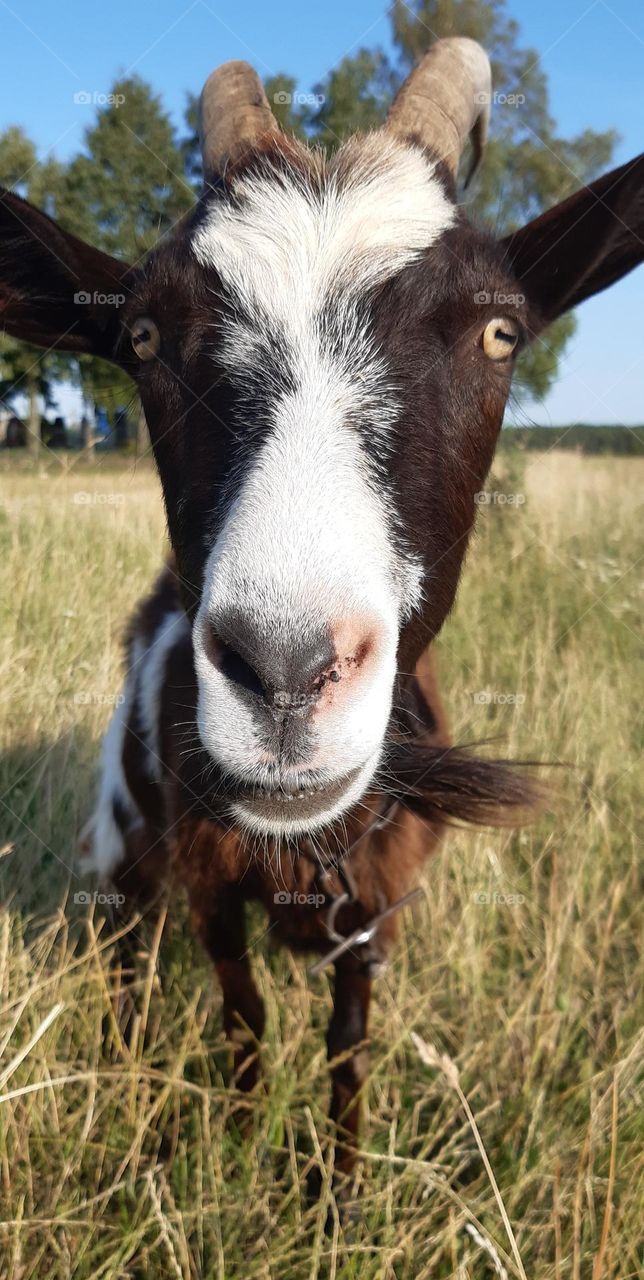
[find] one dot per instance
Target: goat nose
(286, 676)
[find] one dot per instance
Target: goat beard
(453, 784)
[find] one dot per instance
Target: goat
(324, 348)
(159, 811)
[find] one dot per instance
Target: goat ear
(582, 245)
(55, 290)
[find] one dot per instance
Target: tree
(354, 97)
(129, 185)
(126, 189)
(189, 145)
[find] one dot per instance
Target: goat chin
(277, 814)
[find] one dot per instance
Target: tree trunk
(88, 432)
(35, 435)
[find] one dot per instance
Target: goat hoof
(346, 1206)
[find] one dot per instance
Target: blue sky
(592, 51)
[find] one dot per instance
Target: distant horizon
(72, 419)
(566, 426)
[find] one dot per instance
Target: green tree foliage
(293, 111)
(17, 159)
(129, 186)
(189, 145)
(354, 97)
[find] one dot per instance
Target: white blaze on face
(308, 539)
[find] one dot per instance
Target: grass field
(522, 966)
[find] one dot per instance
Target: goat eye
(500, 337)
(146, 339)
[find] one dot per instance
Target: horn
(233, 115)
(445, 100)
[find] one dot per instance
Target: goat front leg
(138, 881)
(222, 929)
(349, 1056)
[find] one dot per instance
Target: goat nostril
(236, 669)
(355, 650)
(231, 663)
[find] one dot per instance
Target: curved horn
(233, 115)
(445, 100)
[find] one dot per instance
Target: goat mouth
(284, 804)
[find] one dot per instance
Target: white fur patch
(283, 248)
(150, 667)
(101, 838)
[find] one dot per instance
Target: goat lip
(276, 803)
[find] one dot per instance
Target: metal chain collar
(365, 937)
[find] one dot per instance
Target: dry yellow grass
(520, 973)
